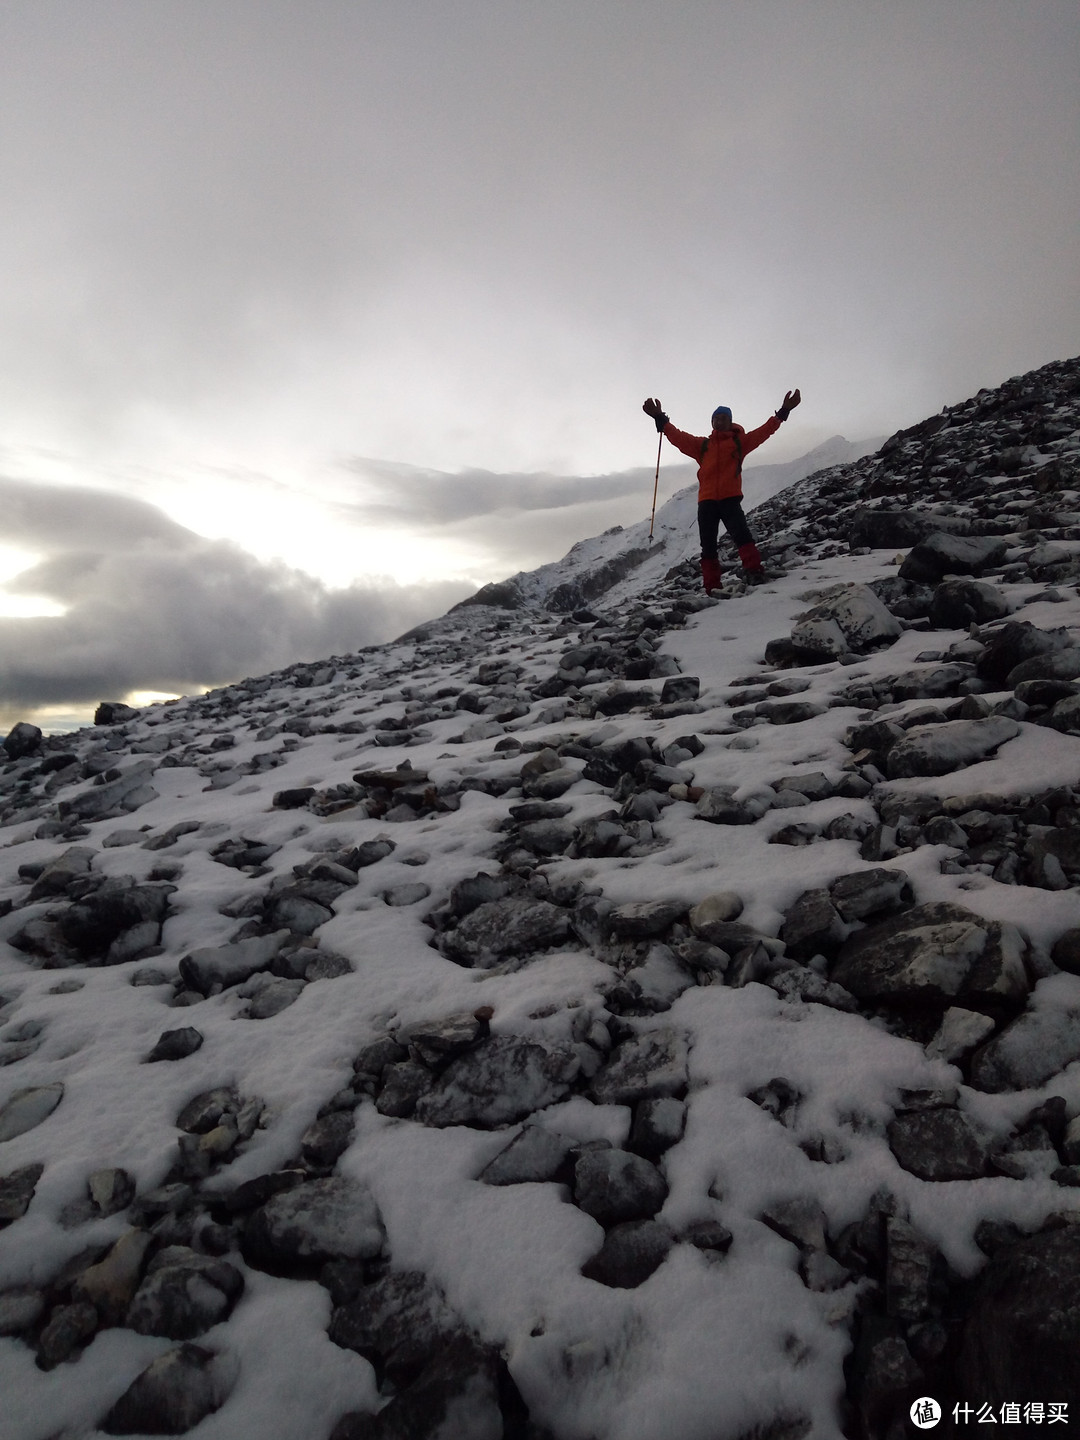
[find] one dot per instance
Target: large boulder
(941, 749)
(21, 740)
(959, 603)
(899, 529)
(1029, 1051)
(857, 612)
(1021, 1337)
(941, 554)
(1010, 645)
(217, 967)
(935, 956)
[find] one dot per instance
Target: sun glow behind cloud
(13, 563)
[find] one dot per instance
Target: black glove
(656, 414)
(791, 399)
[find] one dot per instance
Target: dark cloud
(152, 606)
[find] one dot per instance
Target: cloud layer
(152, 606)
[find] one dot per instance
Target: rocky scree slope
(654, 1018)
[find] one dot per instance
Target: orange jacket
(720, 456)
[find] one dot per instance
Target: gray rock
(297, 913)
(717, 909)
(410, 893)
(114, 712)
(863, 620)
(933, 956)
(73, 864)
(1062, 663)
(327, 1138)
(930, 682)
(815, 785)
(657, 1126)
(535, 1156)
(719, 806)
(653, 986)
(546, 837)
(941, 749)
(403, 1085)
(642, 919)
(550, 784)
(125, 794)
(959, 1033)
(16, 1192)
(400, 1322)
(110, 1285)
(70, 1327)
(788, 712)
(184, 1294)
(27, 1108)
(1065, 952)
(938, 1145)
(1022, 1331)
(456, 1397)
(680, 687)
(800, 1221)
(502, 929)
(21, 740)
(898, 529)
(1008, 646)
(501, 1082)
(815, 639)
(1065, 715)
(435, 1042)
(1034, 1047)
(270, 994)
(171, 1395)
(331, 1219)
(812, 925)
(958, 604)
(176, 1045)
(616, 1185)
(867, 893)
(225, 965)
(631, 1252)
(940, 554)
(799, 982)
(908, 1269)
(110, 1190)
(642, 1068)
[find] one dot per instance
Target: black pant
(709, 515)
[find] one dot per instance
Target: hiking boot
(711, 575)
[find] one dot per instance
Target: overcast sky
(356, 303)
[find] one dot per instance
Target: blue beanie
(720, 410)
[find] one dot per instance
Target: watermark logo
(925, 1413)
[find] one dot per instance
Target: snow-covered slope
(651, 1020)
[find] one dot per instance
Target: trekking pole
(656, 486)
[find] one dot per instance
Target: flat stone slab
(28, 1108)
